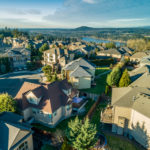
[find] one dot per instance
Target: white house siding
(140, 128)
(92, 71)
(84, 83)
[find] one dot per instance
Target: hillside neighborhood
(54, 91)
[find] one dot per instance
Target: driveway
(12, 82)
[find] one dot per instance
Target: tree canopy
(114, 77)
(7, 103)
(44, 47)
(80, 135)
(125, 79)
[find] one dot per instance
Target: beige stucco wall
(29, 141)
(121, 111)
(140, 128)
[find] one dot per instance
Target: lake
(90, 39)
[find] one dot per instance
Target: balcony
(107, 115)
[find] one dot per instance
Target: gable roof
(79, 62)
(80, 72)
(12, 131)
(52, 95)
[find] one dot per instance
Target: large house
(80, 73)
(19, 56)
(114, 53)
(14, 134)
(47, 103)
(57, 56)
(129, 110)
(138, 56)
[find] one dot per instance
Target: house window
(50, 116)
(55, 113)
(23, 146)
(34, 111)
(68, 107)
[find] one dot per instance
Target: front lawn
(117, 143)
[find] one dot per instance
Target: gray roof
(79, 62)
(80, 72)
(13, 133)
(137, 98)
(145, 60)
(12, 117)
(142, 81)
(111, 51)
(138, 72)
(139, 55)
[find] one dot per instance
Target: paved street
(12, 82)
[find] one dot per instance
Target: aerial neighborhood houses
(80, 73)
(117, 53)
(19, 57)
(57, 57)
(129, 109)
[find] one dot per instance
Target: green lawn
(116, 143)
(96, 115)
(64, 124)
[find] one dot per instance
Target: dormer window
(31, 98)
(67, 92)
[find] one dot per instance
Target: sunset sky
(74, 13)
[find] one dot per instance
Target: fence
(91, 111)
(90, 95)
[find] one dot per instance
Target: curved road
(12, 82)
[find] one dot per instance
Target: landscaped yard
(117, 143)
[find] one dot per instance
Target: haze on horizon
(74, 13)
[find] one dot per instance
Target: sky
(74, 13)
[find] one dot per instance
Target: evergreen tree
(125, 79)
(7, 103)
(114, 77)
(73, 130)
(81, 136)
(86, 138)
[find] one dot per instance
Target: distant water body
(90, 39)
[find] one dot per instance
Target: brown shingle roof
(52, 95)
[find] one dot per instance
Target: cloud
(89, 1)
(17, 11)
(129, 20)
